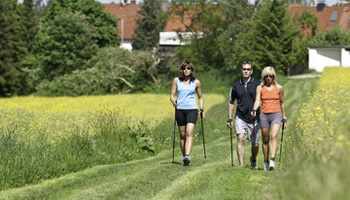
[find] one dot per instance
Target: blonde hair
(268, 71)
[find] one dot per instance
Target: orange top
(270, 100)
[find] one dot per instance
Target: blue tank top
(186, 95)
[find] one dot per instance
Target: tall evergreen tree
(30, 24)
(148, 26)
(11, 50)
(268, 39)
(39, 6)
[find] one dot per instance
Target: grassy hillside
(158, 178)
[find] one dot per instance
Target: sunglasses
(269, 76)
(246, 69)
(188, 68)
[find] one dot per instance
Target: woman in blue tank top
(186, 86)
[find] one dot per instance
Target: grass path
(154, 178)
(158, 178)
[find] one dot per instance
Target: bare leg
(275, 128)
(240, 148)
(265, 140)
(182, 131)
(189, 138)
(255, 150)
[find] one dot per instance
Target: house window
(334, 16)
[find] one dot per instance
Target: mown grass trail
(158, 178)
(155, 178)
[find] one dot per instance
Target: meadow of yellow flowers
(55, 118)
(323, 125)
(319, 146)
(43, 138)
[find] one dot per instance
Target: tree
(12, 50)
(115, 71)
(268, 39)
(307, 20)
(66, 44)
(30, 24)
(148, 26)
(39, 7)
(213, 28)
(105, 32)
(235, 12)
(332, 36)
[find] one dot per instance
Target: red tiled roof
(324, 16)
(129, 15)
(175, 23)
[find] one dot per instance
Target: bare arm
(257, 100)
(200, 96)
(173, 92)
(230, 106)
(282, 104)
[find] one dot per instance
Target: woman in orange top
(270, 96)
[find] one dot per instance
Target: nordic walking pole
(174, 136)
(231, 147)
(281, 144)
(205, 156)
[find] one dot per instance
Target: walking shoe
(186, 160)
(254, 165)
(266, 166)
(272, 164)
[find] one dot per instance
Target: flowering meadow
(324, 120)
(42, 138)
(321, 142)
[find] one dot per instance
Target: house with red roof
(176, 28)
(328, 17)
(127, 15)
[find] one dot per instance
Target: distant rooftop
(328, 17)
(127, 15)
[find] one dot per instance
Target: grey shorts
(244, 127)
(267, 119)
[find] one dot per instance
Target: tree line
(67, 47)
(70, 47)
(234, 30)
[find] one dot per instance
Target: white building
(328, 56)
(172, 38)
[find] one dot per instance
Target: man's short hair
(247, 62)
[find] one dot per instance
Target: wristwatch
(229, 120)
(284, 120)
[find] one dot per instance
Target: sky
(328, 2)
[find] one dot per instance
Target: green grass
(157, 178)
(318, 162)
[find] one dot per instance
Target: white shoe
(253, 165)
(266, 166)
(272, 165)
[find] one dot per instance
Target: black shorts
(186, 116)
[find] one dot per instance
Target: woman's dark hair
(182, 68)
